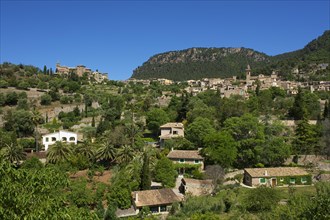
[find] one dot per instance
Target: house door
(273, 182)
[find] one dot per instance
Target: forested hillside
(197, 63)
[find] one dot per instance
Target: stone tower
(248, 74)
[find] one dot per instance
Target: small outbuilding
(276, 176)
(188, 157)
(158, 200)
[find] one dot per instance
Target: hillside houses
(80, 70)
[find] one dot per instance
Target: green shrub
(26, 142)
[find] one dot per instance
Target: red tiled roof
(184, 154)
(154, 197)
(276, 171)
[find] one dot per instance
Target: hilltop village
(232, 86)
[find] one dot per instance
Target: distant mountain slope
(196, 63)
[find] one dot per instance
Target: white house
(64, 136)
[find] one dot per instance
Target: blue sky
(118, 36)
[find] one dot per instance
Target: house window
(154, 209)
(47, 139)
(175, 132)
(64, 139)
(181, 161)
(292, 180)
(72, 139)
(197, 161)
(303, 179)
(53, 138)
(262, 180)
(163, 208)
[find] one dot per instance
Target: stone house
(276, 176)
(158, 200)
(170, 130)
(189, 157)
(64, 136)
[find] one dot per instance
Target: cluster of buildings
(161, 200)
(233, 86)
(80, 70)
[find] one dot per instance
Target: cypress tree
(326, 111)
(145, 173)
(45, 69)
(93, 122)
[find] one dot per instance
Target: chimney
(136, 197)
(172, 149)
(266, 174)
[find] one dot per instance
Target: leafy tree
(216, 173)
(249, 134)
(234, 106)
(36, 194)
(19, 121)
(165, 172)
(32, 163)
(261, 199)
(180, 143)
(22, 104)
(23, 85)
(45, 99)
(11, 98)
(155, 118)
(80, 194)
(120, 191)
(197, 130)
(220, 148)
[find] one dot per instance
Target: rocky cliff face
(204, 55)
(196, 63)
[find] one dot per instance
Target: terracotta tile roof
(172, 125)
(154, 197)
(184, 154)
(276, 171)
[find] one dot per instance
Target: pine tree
(145, 174)
(306, 137)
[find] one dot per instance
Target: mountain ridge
(202, 62)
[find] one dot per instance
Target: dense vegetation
(197, 63)
(120, 124)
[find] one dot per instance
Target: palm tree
(59, 152)
(125, 154)
(13, 153)
(86, 149)
(135, 165)
(36, 119)
(107, 151)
